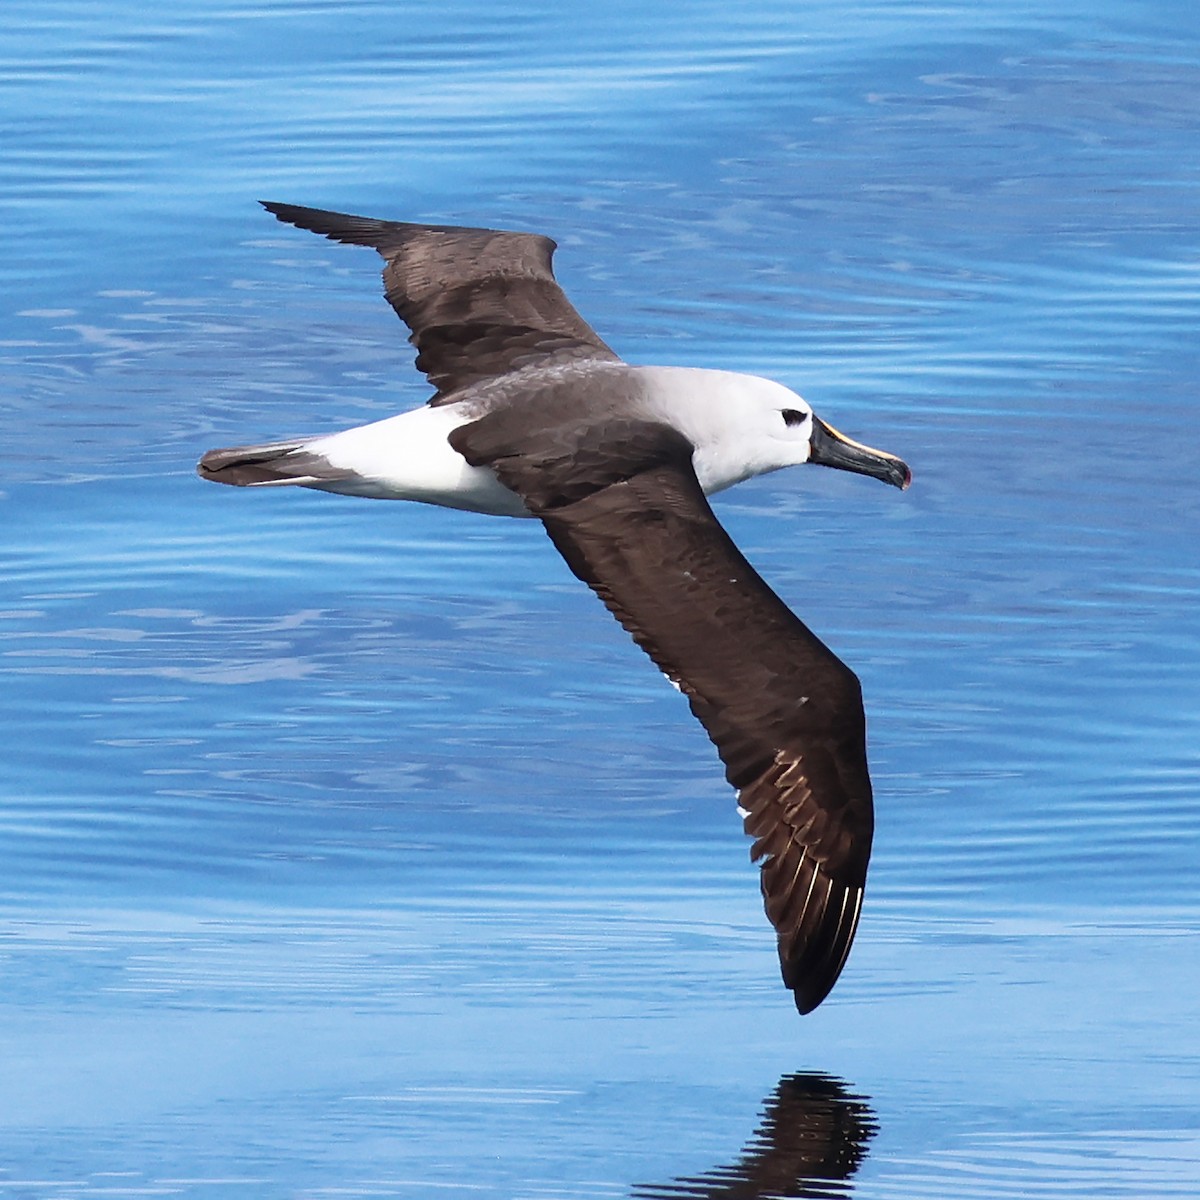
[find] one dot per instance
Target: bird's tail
(275, 464)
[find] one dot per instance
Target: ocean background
(351, 849)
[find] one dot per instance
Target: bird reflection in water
(810, 1142)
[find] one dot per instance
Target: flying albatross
(533, 415)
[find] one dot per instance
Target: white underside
(407, 457)
(732, 419)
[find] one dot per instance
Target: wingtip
(808, 997)
(812, 973)
(342, 227)
(291, 213)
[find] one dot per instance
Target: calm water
(350, 850)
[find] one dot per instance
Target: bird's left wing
(624, 508)
(480, 302)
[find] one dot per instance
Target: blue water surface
(351, 849)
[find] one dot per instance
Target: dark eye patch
(792, 417)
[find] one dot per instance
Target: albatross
(533, 415)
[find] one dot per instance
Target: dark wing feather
(480, 302)
(627, 513)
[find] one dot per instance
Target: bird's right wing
(627, 513)
(480, 302)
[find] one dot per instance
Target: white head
(744, 425)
